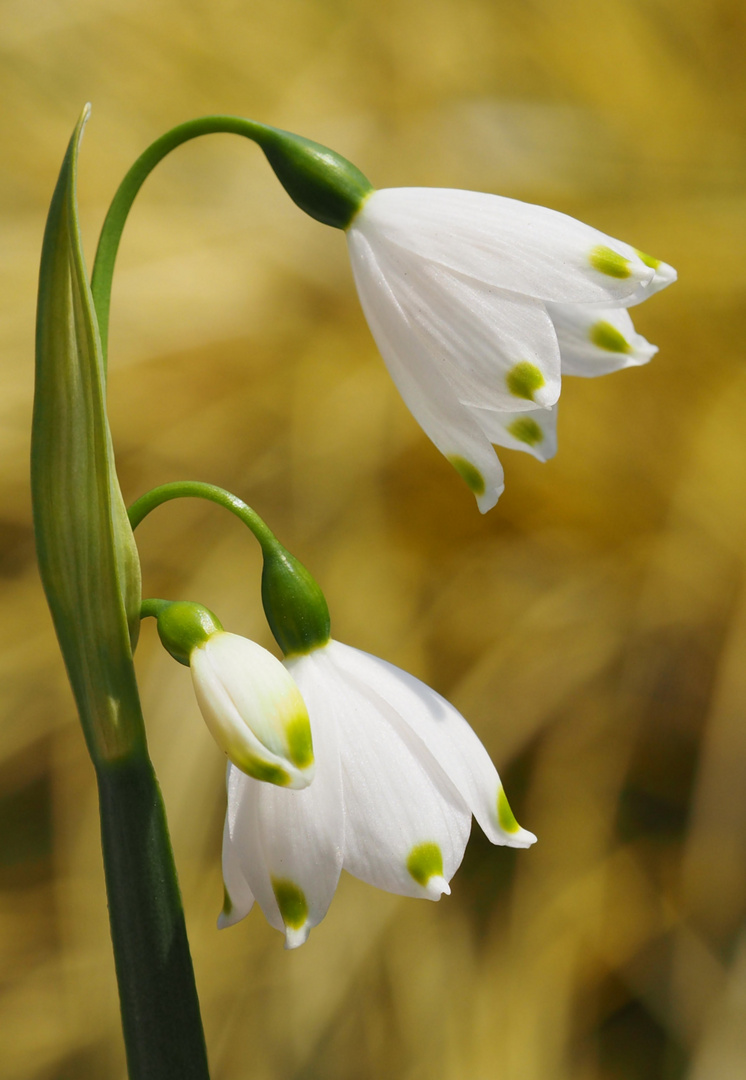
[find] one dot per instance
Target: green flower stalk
(320, 181)
(295, 606)
(90, 572)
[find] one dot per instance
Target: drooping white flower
(254, 710)
(399, 773)
(479, 304)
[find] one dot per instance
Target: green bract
(87, 556)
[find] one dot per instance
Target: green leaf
(91, 575)
(86, 551)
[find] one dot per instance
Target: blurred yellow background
(592, 627)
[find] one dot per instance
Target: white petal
(496, 349)
(253, 709)
(290, 843)
(534, 431)
(406, 825)
(239, 898)
(246, 855)
(506, 243)
(422, 384)
(596, 341)
(448, 738)
(663, 274)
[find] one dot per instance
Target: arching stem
(111, 232)
(181, 489)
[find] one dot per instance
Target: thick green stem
(160, 1009)
(196, 489)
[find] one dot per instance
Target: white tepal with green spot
(479, 304)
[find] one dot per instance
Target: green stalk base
(158, 996)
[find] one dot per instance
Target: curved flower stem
(111, 232)
(151, 608)
(196, 489)
(295, 606)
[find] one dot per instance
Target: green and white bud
(249, 701)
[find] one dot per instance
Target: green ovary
(227, 903)
(291, 901)
(505, 815)
(424, 862)
(526, 430)
(469, 473)
(524, 380)
(607, 337)
(609, 262)
(300, 746)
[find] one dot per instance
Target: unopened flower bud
(249, 701)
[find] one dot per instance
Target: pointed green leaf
(86, 551)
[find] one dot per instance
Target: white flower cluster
(479, 305)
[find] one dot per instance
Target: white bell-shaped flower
(479, 304)
(399, 773)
